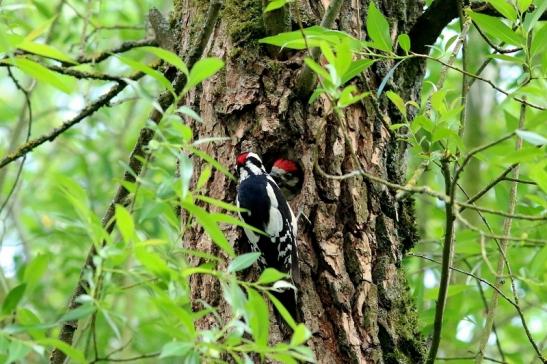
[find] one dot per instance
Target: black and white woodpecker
(268, 210)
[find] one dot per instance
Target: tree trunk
(353, 293)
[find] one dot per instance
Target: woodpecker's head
(249, 164)
(289, 177)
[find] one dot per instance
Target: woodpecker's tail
(289, 300)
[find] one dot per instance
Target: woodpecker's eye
(289, 174)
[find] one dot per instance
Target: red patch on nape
(286, 165)
(242, 158)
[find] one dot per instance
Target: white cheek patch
(254, 169)
(277, 171)
(243, 174)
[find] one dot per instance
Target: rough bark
(354, 295)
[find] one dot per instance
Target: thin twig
(470, 358)
(134, 358)
(83, 74)
(485, 80)
(525, 182)
(124, 47)
(426, 191)
(488, 187)
(479, 279)
(448, 254)
(465, 81)
(498, 237)
(492, 45)
(26, 94)
(502, 262)
(485, 303)
(53, 134)
(479, 149)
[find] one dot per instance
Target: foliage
(434, 129)
(138, 305)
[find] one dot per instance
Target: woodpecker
(267, 210)
(289, 177)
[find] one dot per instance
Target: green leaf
(530, 20)
(397, 101)
(186, 172)
(315, 35)
(78, 313)
(539, 41)
(234, 295)
(219, 217)
(35, 270)
(276, 4)
(45, 50)
(282, 311)
(378, 28)
(453, 290)
(210, 226)
(539, 175)
(203, 69)
(303, 353)
(523, 5)
(219, 203)
(176, 348)
(270, 275)
(185, 110)
(70, 351)
(348, 98)
(320, 71)
(387, 77)
(13, 298)
(243, 261)
(301, 335)
(152, 262)
(404, 42)
(344, 58)
(256, 311)
(124, 222)
(158, 76)
(283, 358)
(17, 350)
(531, 137)
(356, 68)
(168, 57)
(200, 153)
(505, 9)
(41, 73)
(496, 28)
(507, 58)
(206, 173)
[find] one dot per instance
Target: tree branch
(488, 187)
(124, 47)
(87, 111)
(436, 17)
(479, 279)
(448, 254)
(305, 81)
